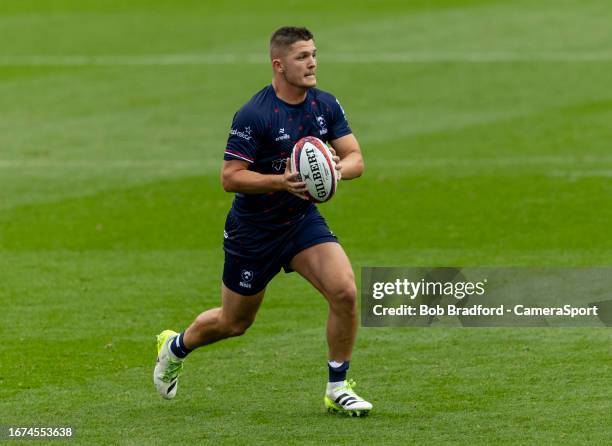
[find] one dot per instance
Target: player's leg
(236, 314)
(327, 267)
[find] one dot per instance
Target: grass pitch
(486, 131)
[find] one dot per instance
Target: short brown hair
(286, 36)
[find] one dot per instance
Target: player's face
(300, 64)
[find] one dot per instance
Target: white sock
(332, 385)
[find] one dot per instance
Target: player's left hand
(336, 159)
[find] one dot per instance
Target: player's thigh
(327, 267)
(240, 308)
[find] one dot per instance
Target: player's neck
(289, 93)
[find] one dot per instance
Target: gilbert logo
(315, 170)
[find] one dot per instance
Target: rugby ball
(313, 161)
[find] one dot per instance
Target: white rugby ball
(313, 161)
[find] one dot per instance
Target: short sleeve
(339, 125)
(245, 136)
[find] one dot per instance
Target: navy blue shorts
(254, 255)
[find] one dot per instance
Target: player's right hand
(292, 184)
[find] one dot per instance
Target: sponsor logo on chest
(282, 135)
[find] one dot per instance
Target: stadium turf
(486, 129)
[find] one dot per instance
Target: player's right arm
(235, 177)
(243, 145)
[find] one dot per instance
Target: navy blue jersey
(263, 133)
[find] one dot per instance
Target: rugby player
(271, 225)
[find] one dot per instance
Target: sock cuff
(181, 343)
(177, 346)
(338, 366)
(337, 371)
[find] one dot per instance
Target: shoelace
(350, 384)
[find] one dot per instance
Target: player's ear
(277, 65)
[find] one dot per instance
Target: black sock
(337, 372)
(178, 346)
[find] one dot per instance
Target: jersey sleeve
(339, 125)
(245, 136)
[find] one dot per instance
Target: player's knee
(237, 327)
(344, 296)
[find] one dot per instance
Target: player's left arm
(347, 155)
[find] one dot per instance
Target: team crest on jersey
(322, 125)
(246, 276)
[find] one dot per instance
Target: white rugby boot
(343, 399)
(168, 367)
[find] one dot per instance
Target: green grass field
(486, 128)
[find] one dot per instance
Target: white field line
(483, 162)
(516, 161)
(228, 59)
(108, 164)
(574, 175)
